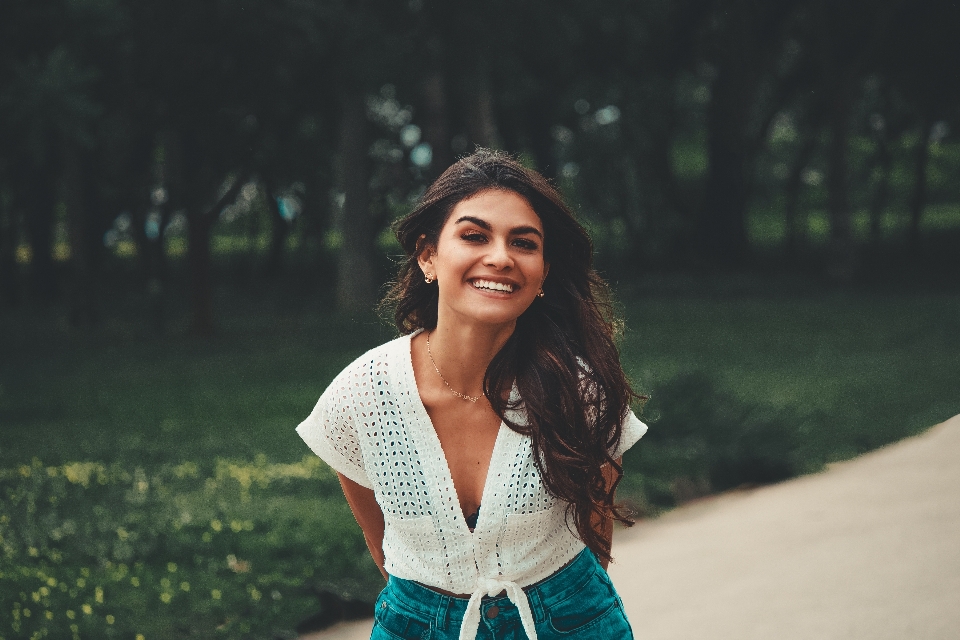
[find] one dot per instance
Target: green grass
(792, 383)
(880, 366)
(110, 396)
(194, 461)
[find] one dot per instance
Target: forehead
(502, 210)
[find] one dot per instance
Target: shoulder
(385, 358)
(376, 367)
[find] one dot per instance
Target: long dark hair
(561, 356)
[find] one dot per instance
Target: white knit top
(371, 426)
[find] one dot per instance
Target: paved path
(867, 550)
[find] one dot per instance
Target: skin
(495, 236)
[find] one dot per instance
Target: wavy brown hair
(561, 356)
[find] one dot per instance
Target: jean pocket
(396, 622)
(593, 606)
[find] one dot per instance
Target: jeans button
(493, 611)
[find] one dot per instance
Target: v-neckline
(486, 496)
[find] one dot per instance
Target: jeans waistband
(555, 588)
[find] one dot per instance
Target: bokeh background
(195, 201)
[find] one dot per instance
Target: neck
(464, 351)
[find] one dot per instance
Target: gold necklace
(462, 396)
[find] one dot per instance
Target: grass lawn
(195, 487)
(876, 367)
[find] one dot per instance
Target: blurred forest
(195, 202)
(154, 147)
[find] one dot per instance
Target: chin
(496, 316)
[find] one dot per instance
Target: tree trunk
(199, 227)
(81, 293)
(881, 196)
(538, 124)
(185, 175)
(792, 190)
(9, 273)
(356, 287)
(436, 128)
(842, 259)
(39, 198)
(199, 233)
(156, 282)
(918, 199)
(155, 253)
(481, 112)
(138, 176)
(723, 226)
(280, 231)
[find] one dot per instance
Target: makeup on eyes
(521, 242)
(526, 244)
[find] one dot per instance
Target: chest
(467, 434)
(446, 472)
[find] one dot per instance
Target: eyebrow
(483, 224)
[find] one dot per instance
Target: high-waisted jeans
(577, 602)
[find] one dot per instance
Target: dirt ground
(869, 549)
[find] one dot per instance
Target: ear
(426, 255)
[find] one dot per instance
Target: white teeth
(493, 286)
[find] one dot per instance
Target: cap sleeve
(331, 433)
(633, 429)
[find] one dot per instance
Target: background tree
(678, 128)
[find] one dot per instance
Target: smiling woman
(480, 452)
(488, 262)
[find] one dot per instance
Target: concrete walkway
(869, 549)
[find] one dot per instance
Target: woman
(480, 451)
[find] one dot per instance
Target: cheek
(537, 269)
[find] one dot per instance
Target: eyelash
(523, 243)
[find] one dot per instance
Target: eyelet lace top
(371, 426)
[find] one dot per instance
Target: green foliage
(747, 389)
(120, 551)
(702, 440)
(150, 444)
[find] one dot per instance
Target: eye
(527, 244)
(473, 236)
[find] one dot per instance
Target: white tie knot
(493, 587)
(490, 586)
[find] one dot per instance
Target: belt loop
(536, 605)
(442, 608)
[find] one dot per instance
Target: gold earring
(541, 294)
(428, 278)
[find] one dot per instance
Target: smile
(489, 285)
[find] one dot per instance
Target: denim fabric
(577, 602)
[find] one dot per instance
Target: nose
(498, 256)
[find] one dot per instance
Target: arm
(605, 526)
(367, 512)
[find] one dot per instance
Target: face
(488, 262)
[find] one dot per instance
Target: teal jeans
(577, 602)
